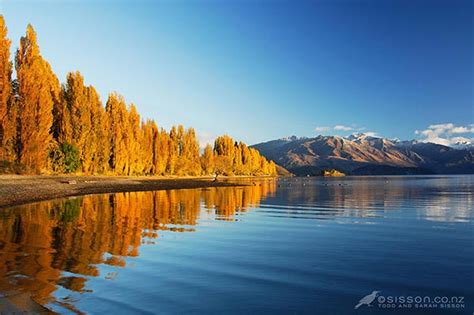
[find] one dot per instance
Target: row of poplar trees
(46, 127)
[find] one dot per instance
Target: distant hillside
(365, 155)
(281, 171)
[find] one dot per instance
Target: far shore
(22, 189)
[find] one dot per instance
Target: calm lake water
(310, 246)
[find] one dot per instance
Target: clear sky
(260, 70)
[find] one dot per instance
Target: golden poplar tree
(237, 160)
(95, 149)
(190, 153)
(162, 146)
(207, 160)
(148, 130)
(224, 145)
(62, 112)
(176, 134)
(118, 124)
(73, 118)
(254, 161)
(224, 151)
(38, 90)
(273, 169)
(7, 122)
(246, 159)
(133, 141)
(184, 152)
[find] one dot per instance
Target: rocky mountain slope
(365, 155)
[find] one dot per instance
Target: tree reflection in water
(62, 242)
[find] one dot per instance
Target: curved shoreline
(20, 189)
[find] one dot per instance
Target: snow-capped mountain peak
(358, 137)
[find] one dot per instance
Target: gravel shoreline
(22, 189)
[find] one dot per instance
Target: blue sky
(260, 70)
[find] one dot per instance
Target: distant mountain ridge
(360, 154)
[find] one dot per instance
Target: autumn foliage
(46, 127)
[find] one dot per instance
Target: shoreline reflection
(60, 243)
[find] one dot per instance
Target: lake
(296, 245)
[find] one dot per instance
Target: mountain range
(362, 154)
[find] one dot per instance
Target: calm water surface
(311, 246)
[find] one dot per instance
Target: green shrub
(65, 158)
(71, 157)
